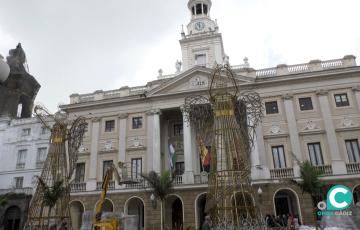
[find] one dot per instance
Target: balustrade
(353, 168)
(282, 173)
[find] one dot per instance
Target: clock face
(199, 26)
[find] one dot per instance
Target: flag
(172, 156)
(204, 153)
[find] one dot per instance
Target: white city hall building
(311, 112)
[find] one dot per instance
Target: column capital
(153, 112)
(123, 115)
(96, 119)
(322, 92)
(288, 96)
(356, 88)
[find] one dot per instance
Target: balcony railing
(326, 170)
(141, 184)
(201, 178)
(78, 187)
(111, 185)
(39, 164)
(353, 168)
(178, 180)
(20, 165)
(282, 173)
(27, 191)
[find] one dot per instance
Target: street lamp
(4, 70)
(153, 200)
(259, 192)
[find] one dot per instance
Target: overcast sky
(79, 46)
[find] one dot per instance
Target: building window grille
(20, 164)
(200, 59)
(106, 166)
(178, 130)
(26, 132)
(41, 157)
(341, 100)
(305, 103)
(353, 150)
(137, 122)
(136, 168)
(109, 126)
(315, 154)
(80, 173)
(271, 107)
(19, 182)
(279, 157)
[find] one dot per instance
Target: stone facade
(311, 112)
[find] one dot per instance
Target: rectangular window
(205, 9)
(137, 122)
(315, 154)
(271, 107)
(26, 132)
(341, 100)
(44, 130)
(109, 126)
(106, 166)
(279, 157)
(136, 168)
(179, 168)
(20, 164)
(200, 59)
(41, 157)
(305, 103)
(178, 130)
(80, 173)
(353, 150)
(19, 182)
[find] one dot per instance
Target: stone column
(153, 140)
(292, 126)
(259, 166)
(188, 176)
(95, 132)
(338, 165)
(356, 90)
(122, 137)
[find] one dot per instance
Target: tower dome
(199, 8)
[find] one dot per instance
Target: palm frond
(161, 185)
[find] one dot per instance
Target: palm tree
(161, 186)
(310, 182)
(3, 200)
(51, 194)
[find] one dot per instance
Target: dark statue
(19, 88)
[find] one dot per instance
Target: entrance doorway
(174, 213)
(286, 202)
(136, 207)
(12, 218)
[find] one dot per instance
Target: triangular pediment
(194, 79)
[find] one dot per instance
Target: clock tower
(202, 45)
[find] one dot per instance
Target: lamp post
(259, 192)
(153, 200)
